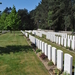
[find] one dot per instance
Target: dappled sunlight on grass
(17, 57)
(14, 49)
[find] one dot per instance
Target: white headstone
(68, 36)
(54, 38)
(73, 37)
(73, 44)
(43, 47)
(54, 57)
(46, 49)
(69, 42)
(68, 63)
(59, 59)
(37, 42)
(40, 45)
(59, 40)
(65, 42)
(49, 52)
(62, 41)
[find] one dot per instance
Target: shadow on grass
(14, 49)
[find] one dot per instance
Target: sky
(19, 4)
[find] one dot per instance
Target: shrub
(43, 56)
(38, 50)
(50, 63)
(56, 71)
(43, 36)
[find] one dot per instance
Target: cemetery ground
(65, 50)
(17, 56)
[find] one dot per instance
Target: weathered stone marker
(59, 59)
(49, 52)
(54, 57)
(43, 47)
(68, 63)
(46, 49)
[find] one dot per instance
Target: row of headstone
(38, 33)
(4, 31)
(47, 33)
(63, 41)
(32, 39)
(24, 33)
(64, 35)
(29, 31)
(56, 56)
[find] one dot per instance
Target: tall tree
(50, 19)
(12, 20)
(0, 3)
(26, 20)
(7, 10)
(2, 20)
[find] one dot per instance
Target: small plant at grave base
(65, 73)
(38, 50)
(57, 71)
(50, 63)
(67, 47)
(40, 53)
(43, 56)
(43, 36)
(70, 48)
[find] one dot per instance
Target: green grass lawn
(17, 57)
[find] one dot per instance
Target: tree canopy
(55, 14)
(11, 19)
(49, 14)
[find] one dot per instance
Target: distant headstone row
(54, 55)
(63, 39)
(4, 31)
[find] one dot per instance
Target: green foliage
(50, 19)
(0, 2)
(55, 14)
(7, 10)
(26, 20)
(2, 20)
(38, 50)
(57, 71)
(67, 22)
(49, 14)
(43, 36)
(65, 73)
(50, 63)
(12, 20)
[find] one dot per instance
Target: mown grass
(17, 57)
